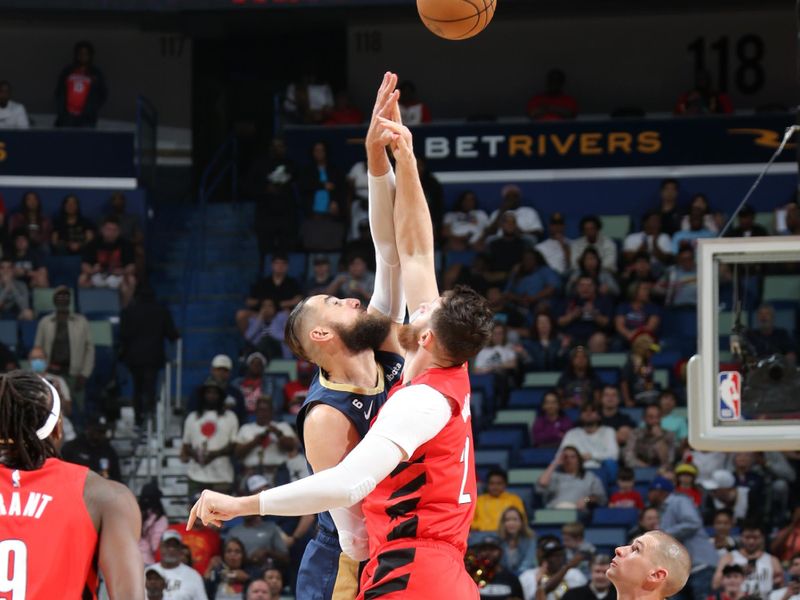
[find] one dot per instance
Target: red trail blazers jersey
(418, 518)
(48, 542)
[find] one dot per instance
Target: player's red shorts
(415, 569)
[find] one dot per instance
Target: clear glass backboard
(744, 383)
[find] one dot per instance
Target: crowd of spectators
(67, 250)
(311, 101)
(558, 302)
(238, 437)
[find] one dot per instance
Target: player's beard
(408, 336)
(367, 333)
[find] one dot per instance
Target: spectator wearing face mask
(39, 365)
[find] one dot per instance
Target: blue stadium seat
(666, 359)
(27, 330)
(609, 376)
(491, 458)
(98, 302)
(526, 398)
(459, 257)
(525, 492)
(506, 437)
(574, 414)
(542, 530)
(644, 474)
(535, 457)
(604, 536)
(8, 334)
(680, 322)
(485, 383)
(63, 270)
(610, 517)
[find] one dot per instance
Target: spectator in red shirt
(296, 390)
(553, 104)
(344, 111)
(204, 543)
(703, 99)
(626, 496)
(412, 109)
(81, 90)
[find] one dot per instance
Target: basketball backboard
(743, 393)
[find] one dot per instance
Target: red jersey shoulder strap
(452, 382)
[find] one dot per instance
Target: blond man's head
(653, 564)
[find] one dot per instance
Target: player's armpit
(329, 437)
(120, 528)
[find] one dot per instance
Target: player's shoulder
(106, 497)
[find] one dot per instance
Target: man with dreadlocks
(59, 522)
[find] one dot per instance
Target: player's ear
(658, 576)
(320, 335)
(426, 339)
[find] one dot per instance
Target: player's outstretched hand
(385, 107)
(402, 142)
(213, 508)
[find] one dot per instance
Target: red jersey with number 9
(432, 495)
(48, 542)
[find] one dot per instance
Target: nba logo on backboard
(730, 396)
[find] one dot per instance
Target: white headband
(52, 419)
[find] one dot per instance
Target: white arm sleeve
(411, 417)
(352, 530)
(387, 297)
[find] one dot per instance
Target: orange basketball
(456, 19)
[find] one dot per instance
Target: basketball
(456, 19)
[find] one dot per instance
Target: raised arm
(387, 297)
(410, 418)
(412, 221)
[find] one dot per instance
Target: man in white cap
(723, 493)
(653, 567)
(261, 537)
(221, 368)
(183, 582)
